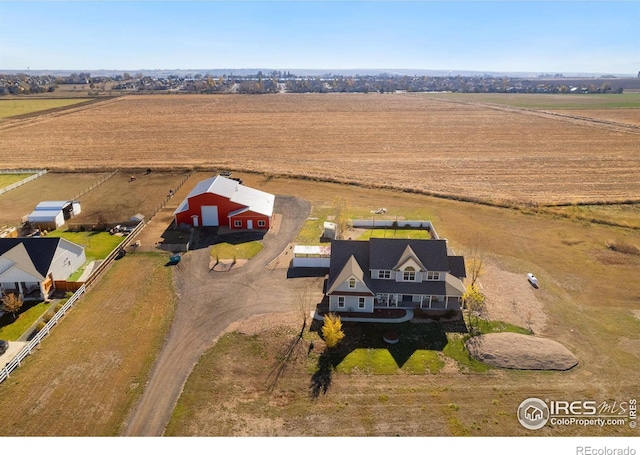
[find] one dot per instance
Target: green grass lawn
(420, 234)
(10, 179)
(12, 329)
(11, 108)
(97, 245)
(241, 251)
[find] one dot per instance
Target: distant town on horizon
(263, 81)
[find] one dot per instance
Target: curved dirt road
(208, 302)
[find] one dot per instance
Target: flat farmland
(16, 107)
(21, 201)
(411, 141)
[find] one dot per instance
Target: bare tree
(474, 258)
(343, 220)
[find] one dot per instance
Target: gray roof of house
(384, 254)
(40, 250)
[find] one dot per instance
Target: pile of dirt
(521, 352)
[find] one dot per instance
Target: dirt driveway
(208, 303)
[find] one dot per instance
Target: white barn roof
(255, 200)
(52, 205)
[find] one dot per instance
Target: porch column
(20, 290)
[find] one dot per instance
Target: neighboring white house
(398, 273)
(30, 266)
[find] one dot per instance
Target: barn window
(261, 223)
(352, 283)
(237, 223)
(409, 274)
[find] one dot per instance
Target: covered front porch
(28, 290)
(413, 301)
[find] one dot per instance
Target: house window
(384, 274)
(352, 283)
(237, 223)
(340, 302)
(434, 276)
(262, 223)
(409, 274)
(361, 302)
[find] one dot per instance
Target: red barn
(220, 201)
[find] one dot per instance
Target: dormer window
(352, 283)
(409, 274)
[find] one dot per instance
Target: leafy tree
(11, 303)
(474, 302)
(332, 330)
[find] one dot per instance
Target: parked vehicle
(532, 279)
(174, 259)
(4, 345)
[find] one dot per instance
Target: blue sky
(501, 36)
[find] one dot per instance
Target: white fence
(398, 224)
(15, 363)
(35, 175)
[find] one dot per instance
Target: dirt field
(119, 198)
(21, 201)
(405, 140)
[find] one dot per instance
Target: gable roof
(386, 253)
(31, 253)
(350, 269)
(255, 200)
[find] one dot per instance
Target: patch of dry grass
(88, 373)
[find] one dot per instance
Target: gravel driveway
(208, 303)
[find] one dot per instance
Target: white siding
(351, 304)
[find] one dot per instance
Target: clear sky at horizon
(500, 36)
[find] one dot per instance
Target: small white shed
(47, 219)
(312, 256)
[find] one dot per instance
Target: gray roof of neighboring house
(40, 250)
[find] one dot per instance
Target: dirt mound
(521, 352)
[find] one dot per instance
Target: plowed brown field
(402, 140)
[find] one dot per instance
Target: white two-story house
(399, 273)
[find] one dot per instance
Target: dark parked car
(4, 345)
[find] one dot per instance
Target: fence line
(25, 351)
(98, 183)
(397, 224)
(23, 181)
